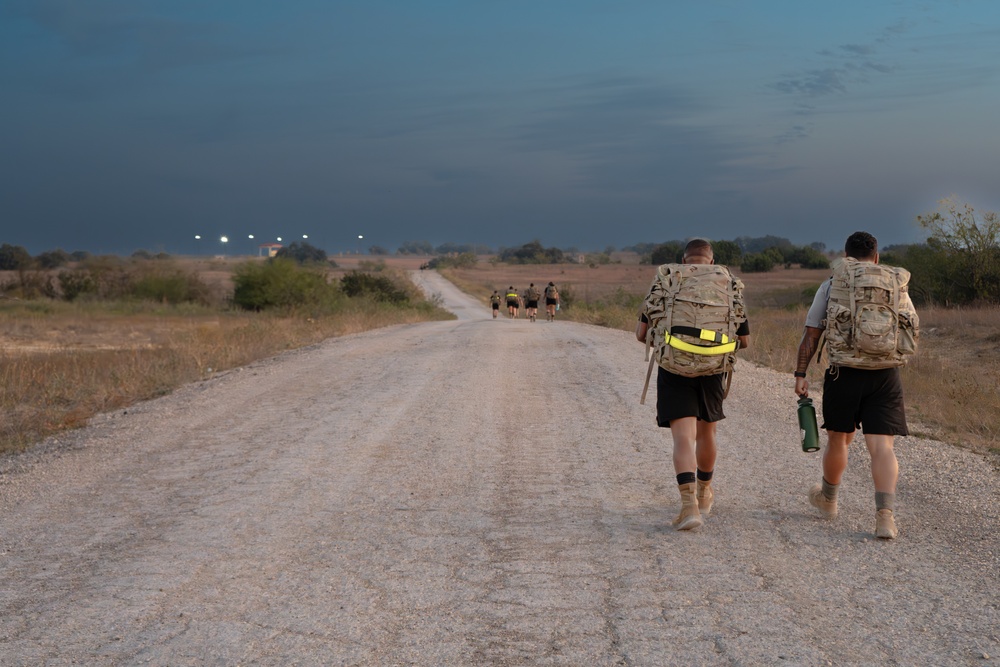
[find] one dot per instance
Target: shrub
(170, 287)
(302, 253)
(760, 262)
(379, 288)
(281, 283)
(74, 284)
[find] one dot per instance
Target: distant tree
(760, 262)
(727, 253)
(142, 254)
(970, 242)
(53, 259)
(532, 253)
(808, 258)
(758, 244)
(670, 252)
(818, 246)
(609, 249)
(79, 255)
(302, 253)
(377, 250)
(415, 248)
(14, 258)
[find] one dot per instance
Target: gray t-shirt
(817, 311)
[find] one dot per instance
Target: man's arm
(807, 348)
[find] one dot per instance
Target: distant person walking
(495, 303)
(695, 320)
(551, 301)
(871, 327)
(531, 296)
(513, 301)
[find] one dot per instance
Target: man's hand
(802, 387)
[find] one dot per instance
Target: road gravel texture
(477, 492)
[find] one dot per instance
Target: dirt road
(477, 492)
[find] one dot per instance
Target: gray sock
(830, 490)
(885, 501)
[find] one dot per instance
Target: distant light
(198, 236)
(225, 239)
(279, 238)
(250, 236)
(305, 236)
(360, 236)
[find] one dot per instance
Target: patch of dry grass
(63, 363)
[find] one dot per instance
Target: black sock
(705, 476)
(686, 478)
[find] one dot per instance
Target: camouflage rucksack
(694, 311)
(870, 320)
(533, 293)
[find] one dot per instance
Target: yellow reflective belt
(714, 336)
(679, 344)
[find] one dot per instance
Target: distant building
(268, 249)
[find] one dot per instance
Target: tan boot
(816, 498)
(690, 517)
(885, 525)
(705, 496)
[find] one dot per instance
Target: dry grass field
(61, 363)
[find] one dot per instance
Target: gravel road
(477, 492)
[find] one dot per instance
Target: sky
(141, 124)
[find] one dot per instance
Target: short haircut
(699, 247)
(861, 245)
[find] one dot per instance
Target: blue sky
(129, 124)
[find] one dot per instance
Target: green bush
(379, 288)
(281, 283)
(74, 284)
(173, 287)
(758, 262)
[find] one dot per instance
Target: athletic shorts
(496, 306)
(511, 304)
(678, 396)
(870, 399)
(551, 302)
(532, 304)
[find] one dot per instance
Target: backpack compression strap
(722, 343)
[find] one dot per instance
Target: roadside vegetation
(101, 333)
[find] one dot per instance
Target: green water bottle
(808, 426)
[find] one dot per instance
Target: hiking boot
(705, 495)
(885, 525)
(819, 501)
(690, 517)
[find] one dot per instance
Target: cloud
(814, 83)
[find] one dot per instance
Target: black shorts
(531, 303)
(678, 396)
(496, 306)
(870, 399)
(511, 303)
(551, 302)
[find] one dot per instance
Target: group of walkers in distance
(694, 321)
(528, 299)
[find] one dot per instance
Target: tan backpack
(694, 311)
(870, 320)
